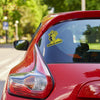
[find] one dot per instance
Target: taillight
(35, 84)
(90, 90)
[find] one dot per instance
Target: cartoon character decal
(52, 38)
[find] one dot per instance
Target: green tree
(92, 4)
(2, 8)
(64, 5)
(72, 5)
(28, 12)
(31, 14)
(92, 34)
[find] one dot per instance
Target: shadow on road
(1, 87)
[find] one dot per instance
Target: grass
(95, 46)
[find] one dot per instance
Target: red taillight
(90, 90)
(35, 84)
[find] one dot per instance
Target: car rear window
(75, 41)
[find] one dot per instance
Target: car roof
(52, 19)
(71, 15)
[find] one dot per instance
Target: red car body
(72, 81)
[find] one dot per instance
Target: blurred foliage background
(29, 13)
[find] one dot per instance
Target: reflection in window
(80, 42)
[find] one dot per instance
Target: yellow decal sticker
(52, 38)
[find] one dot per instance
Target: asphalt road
(9, 57)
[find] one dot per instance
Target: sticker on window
(52, 38)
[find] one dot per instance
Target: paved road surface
(9, 57)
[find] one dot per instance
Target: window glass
(72, 41)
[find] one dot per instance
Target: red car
(62, 61)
